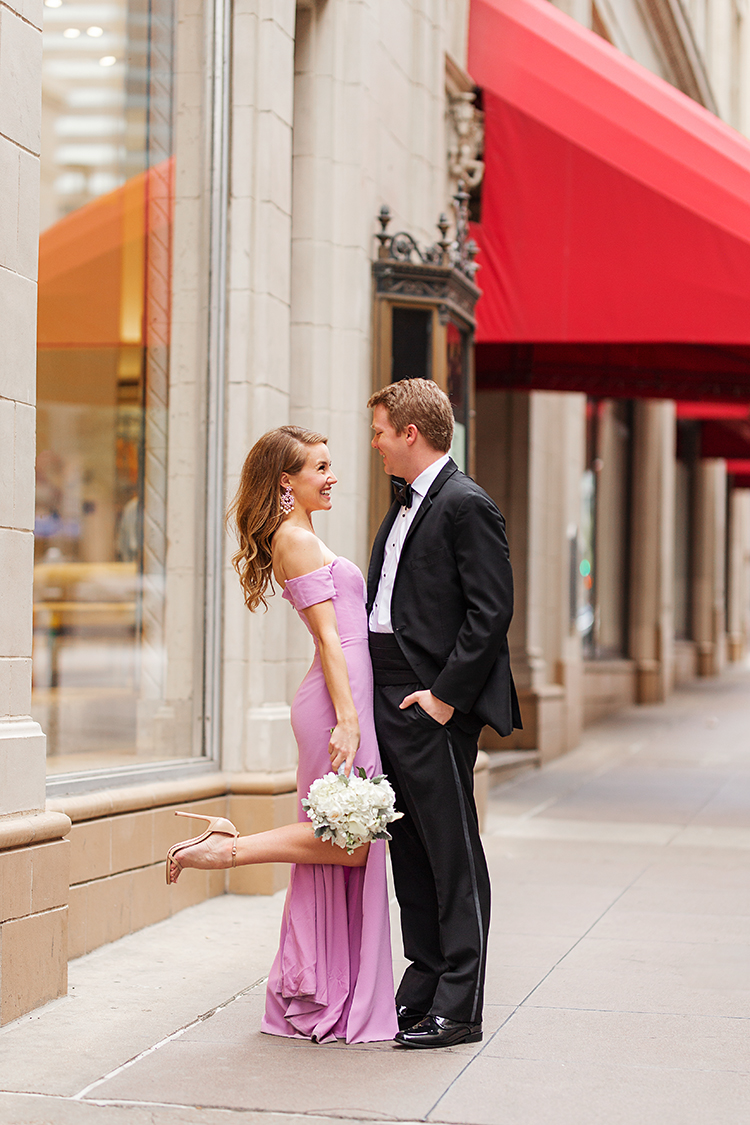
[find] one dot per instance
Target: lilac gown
(333, 975)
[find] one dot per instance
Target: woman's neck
(301, 519)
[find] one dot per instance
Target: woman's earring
(287, 499)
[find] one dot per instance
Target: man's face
(392, 447)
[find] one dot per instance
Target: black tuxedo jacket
(453, 599)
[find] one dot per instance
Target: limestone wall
(33, 855)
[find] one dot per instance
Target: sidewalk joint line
(163, 1042)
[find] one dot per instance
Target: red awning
(615, 210)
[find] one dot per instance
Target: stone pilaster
(738, 570)
(256, 731)
(652, 549)
(530, 451)
(709, 565)
(33, 910)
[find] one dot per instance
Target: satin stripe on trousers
(439, 868)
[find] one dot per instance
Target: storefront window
(603, 571)
(688, 452)
(113, 683)
(587, 593)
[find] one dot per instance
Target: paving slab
(36, 1109)
(635, 1039)
(551, 910)
(624, 923)
(521, 1091)
(291, 1075)
(670, 977)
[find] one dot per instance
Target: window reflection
(103, 336)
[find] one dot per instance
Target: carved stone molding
(674, 32)
(465, 129)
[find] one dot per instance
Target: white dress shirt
(380, 614)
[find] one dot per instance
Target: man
(440, 600)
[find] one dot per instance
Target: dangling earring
(287, 499)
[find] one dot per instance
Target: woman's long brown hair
(256, 511)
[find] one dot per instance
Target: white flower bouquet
(350, 811)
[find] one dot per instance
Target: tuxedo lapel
(377, 554)
(445, 473)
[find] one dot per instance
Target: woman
(332, 976)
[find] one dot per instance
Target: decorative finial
(456, 253)
(384, 218)
(444, 243)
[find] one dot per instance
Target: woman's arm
(345, 735)
(301, 553)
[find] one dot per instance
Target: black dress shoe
(407, 1017)
(438, 1031)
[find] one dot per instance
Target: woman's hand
(344, 745)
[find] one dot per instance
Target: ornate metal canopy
(442, 273)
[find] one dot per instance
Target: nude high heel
(218, 824)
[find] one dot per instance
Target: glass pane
(585, 617)
(612, 464)
(105, 308)
(688, 451)
(411, 344)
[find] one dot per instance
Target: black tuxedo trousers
(439, 869)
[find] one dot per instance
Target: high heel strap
(219, 824)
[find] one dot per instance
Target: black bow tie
(402, 492)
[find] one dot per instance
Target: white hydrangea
(350, 811)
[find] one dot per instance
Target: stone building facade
(209, 183)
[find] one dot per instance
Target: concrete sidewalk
(618, 983)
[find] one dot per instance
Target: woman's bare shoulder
(296, 551)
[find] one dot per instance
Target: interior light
(95, 32)
(53, 3)
(108, 60)
(71, 33)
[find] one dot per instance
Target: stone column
(652, 549)
(530, 451)
(709, 570)
(256, 731)
(580, 10)
(257, 742)
(33, 856)
(738, 571)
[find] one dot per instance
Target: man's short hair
(421, 403)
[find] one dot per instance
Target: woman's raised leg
(294, 843)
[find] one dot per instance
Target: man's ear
(412, 433)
